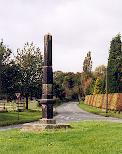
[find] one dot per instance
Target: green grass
(99, 111)
(85, 138)
(33, 105)
(9, 118)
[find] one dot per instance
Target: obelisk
(47, 80)
(47, 121)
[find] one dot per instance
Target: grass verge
(10, 118)
(85, 138)
(99, 111)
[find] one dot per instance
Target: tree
(67, 85)
(100, 71)
(58, 89)
(87, 64)
(115, 66)
(69, 80)
(78, 86)
(5, 53)
(90, 87)
(98, 86)
(29, 59)
(11, 77)
(86, 75)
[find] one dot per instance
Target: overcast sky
(77, 26)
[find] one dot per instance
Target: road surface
(70, 112)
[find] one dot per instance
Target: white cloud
(77, 26)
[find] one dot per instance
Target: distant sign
(17, 95)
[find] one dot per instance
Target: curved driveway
(70, 112)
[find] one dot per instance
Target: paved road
(70, 112)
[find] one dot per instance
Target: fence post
(106, 89)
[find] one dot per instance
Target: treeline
(67, 86)
(76, 86)
(111, 75)
(23, 74)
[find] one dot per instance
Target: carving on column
(47, 89)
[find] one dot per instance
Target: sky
(77, 26)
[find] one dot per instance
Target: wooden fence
(99, 100)
(11, 106)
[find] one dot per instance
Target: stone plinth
(47, 121)
(41, 127)
(44, 124)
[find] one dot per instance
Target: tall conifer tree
(115, 66)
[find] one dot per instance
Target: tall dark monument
(47, 121)
(47, 81)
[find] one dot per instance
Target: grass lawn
(99, 111)
(89, 137)
(8, 118)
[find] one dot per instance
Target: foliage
(29, 59)
(67, 86)
(98, 86)
(87, 64)
(87, 81)
(11, 78)
(5, 53)
(87, 76)
(115, 66)
(100, 71)
(58, 89)
(90, 87)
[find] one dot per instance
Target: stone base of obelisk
(44, 124)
